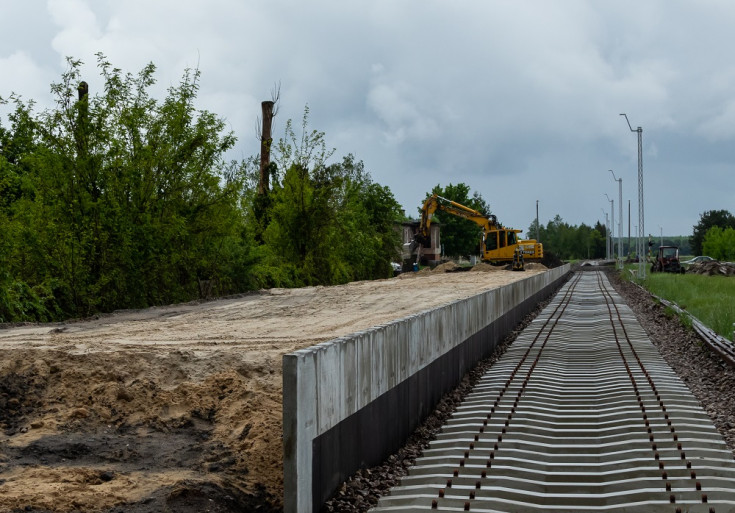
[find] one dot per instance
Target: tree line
(118, 200)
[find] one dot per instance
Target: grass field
(711, 299)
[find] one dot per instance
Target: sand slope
(179, 407)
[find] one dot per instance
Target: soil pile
(177, 408)
(446, 267)
(485, 267)
(713, 268)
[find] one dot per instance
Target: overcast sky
(518, 99)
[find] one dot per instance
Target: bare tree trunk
(266, 140)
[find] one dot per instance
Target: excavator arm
(497, 244)
(436, 202)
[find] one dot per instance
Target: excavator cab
(491, 241)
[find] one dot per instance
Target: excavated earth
(178, 408)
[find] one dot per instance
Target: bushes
(719, 243)
(117, 200)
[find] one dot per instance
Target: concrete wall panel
(349, 402)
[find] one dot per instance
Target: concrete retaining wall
(351, 401)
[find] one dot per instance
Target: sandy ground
(178, 408)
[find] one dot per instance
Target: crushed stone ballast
(580, 414)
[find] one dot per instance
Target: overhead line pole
(612, 226)
(641, 230)
(620, 219)
(628, 227)
(607, 234)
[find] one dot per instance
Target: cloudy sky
(518, 99)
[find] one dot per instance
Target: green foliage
(707, 220)
(720, 244)
(682, 242)
(571, 242)
(460, 237)
(332, 224)
(708, 298)
(119, 199)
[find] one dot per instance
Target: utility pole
(628, 227)
(620, 219)
(641, 230)
(607, 234)
(612, 226)
(538, 237)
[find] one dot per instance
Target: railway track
(580, 414)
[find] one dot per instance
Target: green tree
(459, 236)
(327, 223)
(707, 220)
(128, 201)
(571, 242)
(720, 243)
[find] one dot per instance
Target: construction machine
(667, 261)
(497, 243)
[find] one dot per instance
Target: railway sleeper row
(580, 413)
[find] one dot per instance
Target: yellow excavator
(497, 244)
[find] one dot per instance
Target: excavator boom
(498, 244)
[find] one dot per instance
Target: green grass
(711, 299)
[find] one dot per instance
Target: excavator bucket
(518, 261)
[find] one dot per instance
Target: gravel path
(710, 380)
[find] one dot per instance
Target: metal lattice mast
(612, 226)
(640, 244)
(641, 230)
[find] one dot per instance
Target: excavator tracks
(580, 414)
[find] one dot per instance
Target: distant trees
(460, 237)
(118, 200)
(571, 242)
(720, 218)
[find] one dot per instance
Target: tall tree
(708, 219)
(329, 223)
(459, 236)
(720, 243)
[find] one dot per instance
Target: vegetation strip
(719, 344)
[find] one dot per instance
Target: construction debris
(713, 268)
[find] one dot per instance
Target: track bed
(580, 414)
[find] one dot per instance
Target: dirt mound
(89, 432)
(535, 266)
(713, 268)
(446, 267)
(484, 267)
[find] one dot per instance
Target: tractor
(667, 261)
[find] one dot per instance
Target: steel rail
(581, 413)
